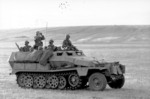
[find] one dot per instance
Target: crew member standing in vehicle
(51, 45)
(67, 44)
(38, 39)
(26, 48)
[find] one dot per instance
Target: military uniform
(52, 46)
(26, 48)
(38, 39)
(67, 45)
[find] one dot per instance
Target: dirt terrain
(137, 76)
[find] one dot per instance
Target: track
(64, 80)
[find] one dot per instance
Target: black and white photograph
(74, 49)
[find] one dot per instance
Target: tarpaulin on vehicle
(46, 55)
(34, 56)
(28, 56)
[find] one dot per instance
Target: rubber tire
(117, 84)
(101, 78)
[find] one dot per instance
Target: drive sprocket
(74, 80)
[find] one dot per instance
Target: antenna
(46, 32)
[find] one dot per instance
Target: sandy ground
(137, 85)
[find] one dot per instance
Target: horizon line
(71, 26)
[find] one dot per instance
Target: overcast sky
(35, 13)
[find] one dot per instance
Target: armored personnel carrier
(67, 70)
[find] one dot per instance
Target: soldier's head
(67, 36)
(26, 42)
(38, 33)
(51, 41)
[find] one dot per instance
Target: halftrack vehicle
(67, 70)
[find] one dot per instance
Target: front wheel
(97, 81)
(118, 83)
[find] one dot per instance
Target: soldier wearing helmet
(38, 39)
(26, 48)
(67, 45)
(51, 45)
(67, 42)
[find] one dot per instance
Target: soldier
(26, 48)
(51, 45)
(67, 44)
(38, 39)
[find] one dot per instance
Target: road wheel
(28, 81)
(97, 81)
(118, 83)
(62, 82)
(20, 79)
(73, 80)
(52, 82)
(39, 81)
